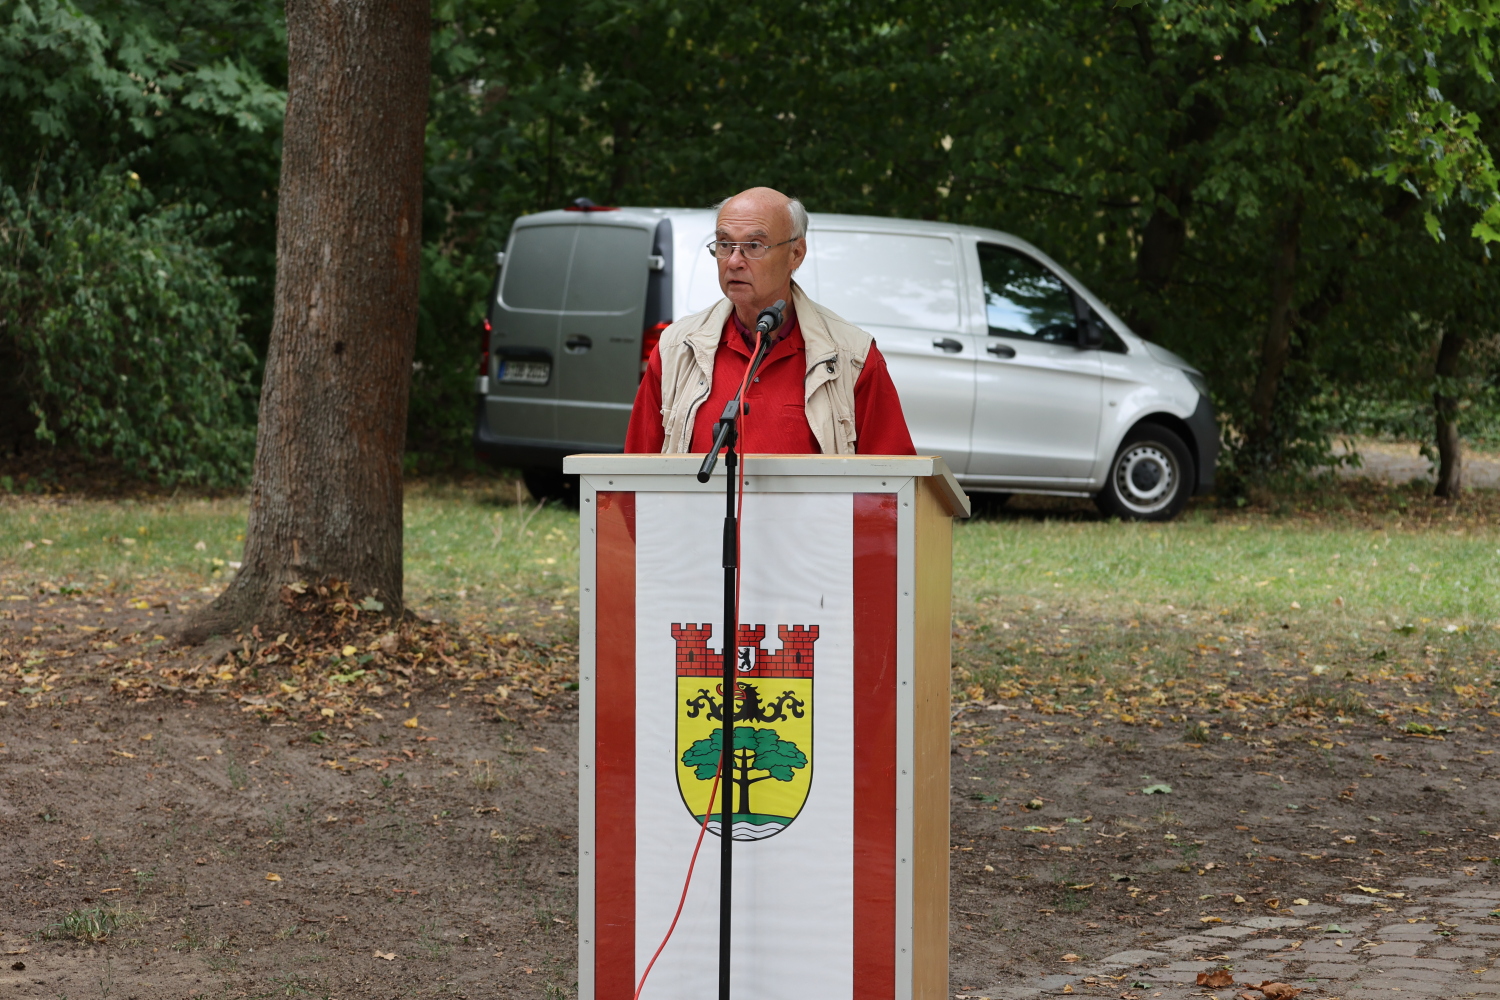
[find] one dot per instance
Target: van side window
(1024, 299)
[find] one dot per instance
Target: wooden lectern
(838, 800)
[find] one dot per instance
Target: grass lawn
(470, 549)
(1401, 574)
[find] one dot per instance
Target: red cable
(712, 794)
(725, 819)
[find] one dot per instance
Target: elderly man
(823, 387)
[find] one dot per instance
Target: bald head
(768, 203)
(766, 216)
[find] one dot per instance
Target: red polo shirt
(777, 423)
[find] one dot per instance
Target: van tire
(551, 484)
(1151, 477)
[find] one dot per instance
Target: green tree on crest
(755, 749)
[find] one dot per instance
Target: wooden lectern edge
(921, 466)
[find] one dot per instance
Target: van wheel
(1151, 477)
(551, 484)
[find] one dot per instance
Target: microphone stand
(726, 433)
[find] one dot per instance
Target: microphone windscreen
(770, 317)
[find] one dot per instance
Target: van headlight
(1199, 382)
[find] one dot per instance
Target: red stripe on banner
(614, 748)
(875, 745)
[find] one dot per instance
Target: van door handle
(1001, 350)
(578, 344)
(948, 344)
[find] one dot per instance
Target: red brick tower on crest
(793, 659)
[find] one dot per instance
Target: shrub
(119, 329)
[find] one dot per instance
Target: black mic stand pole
(726, 431)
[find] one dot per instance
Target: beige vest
(836, 351)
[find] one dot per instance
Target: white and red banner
(812, 799)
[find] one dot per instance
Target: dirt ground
(1335, 833)
(1252, 859)
(420, 846)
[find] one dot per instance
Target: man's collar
(788, 324)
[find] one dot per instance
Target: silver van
(1007, 366)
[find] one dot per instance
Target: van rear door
(567, 333)
(599, 335)
(522, 400)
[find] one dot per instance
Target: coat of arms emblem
(773, 731)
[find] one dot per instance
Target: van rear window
(609, 269)
(536, 268)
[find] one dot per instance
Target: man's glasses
(754, 250)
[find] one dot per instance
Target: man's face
(754, 284)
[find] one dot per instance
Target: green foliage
(122, 329)
(1165, 152)
(756, 748)
(91, 924)
(190, 92)
(1173, 155)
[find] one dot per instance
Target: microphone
(770, 318)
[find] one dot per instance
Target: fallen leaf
(1211, 920)
(146, 737)
(1279, 991)
(1216, 978)
(1070, 957)
(410, 723)
(122, 753)
(1299, 902)
(350, 650)
(1035, 804)
(1158, 789)
(272, 877)
(389, 956)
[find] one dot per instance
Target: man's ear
(799, 253)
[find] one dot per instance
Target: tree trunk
(325, 500)
(1450, 446)
(1162, 240)
(742, 784)
(1276, 345)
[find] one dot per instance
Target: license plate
(525, 372)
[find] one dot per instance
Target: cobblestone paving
(1439, 941)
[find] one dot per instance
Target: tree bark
(1276, 344)
(1449, 444)
(325, 500)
